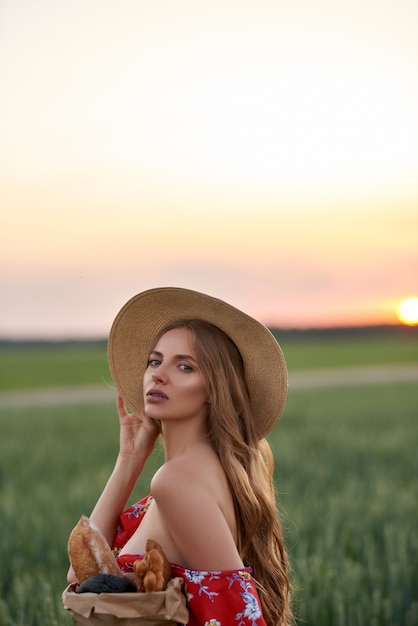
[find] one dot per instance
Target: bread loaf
(89, 552)
(153, 572)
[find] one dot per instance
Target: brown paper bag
(159, 608)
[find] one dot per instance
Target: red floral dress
(225, 598)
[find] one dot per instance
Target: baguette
(89, 552)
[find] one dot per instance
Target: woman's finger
(120, 404)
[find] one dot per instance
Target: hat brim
(146, 314)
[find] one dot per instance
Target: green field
(51, 365)
(346, 474)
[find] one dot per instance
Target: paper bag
(158, 608)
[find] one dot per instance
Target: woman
(213, 382)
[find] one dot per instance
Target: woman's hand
(138, 433)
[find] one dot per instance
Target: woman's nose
(159, 376)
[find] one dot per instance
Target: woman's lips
(155, 395)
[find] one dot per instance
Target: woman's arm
(137, 438)
(193, 519)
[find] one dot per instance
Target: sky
(264, 152)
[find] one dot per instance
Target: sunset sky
(262, 151)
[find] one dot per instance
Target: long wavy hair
(248, 464)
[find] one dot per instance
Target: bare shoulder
(188, 502)
(199, 471)
(177, 485)
(173, 474)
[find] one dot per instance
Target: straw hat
(144, 316)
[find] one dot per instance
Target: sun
(407, 311)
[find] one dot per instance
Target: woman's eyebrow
(189, 357)
(178, 357)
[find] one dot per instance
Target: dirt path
(302, 379)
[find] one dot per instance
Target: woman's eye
(185, 367)
(154, 362)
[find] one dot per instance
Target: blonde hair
(248, 465)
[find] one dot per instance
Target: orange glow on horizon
(264, 153)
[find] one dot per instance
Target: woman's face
(174, 388)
